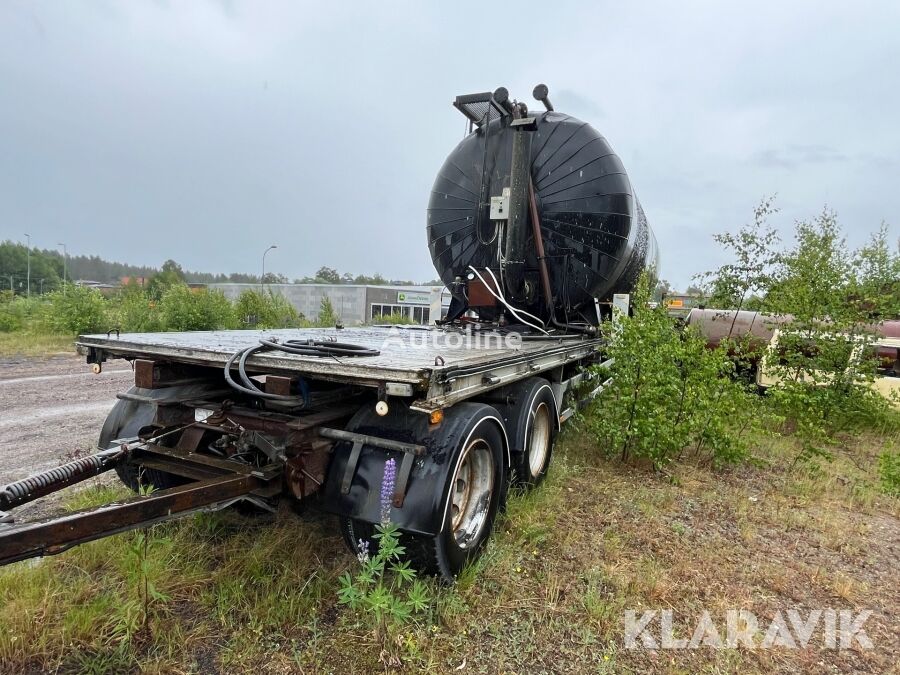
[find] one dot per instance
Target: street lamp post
(262, 279)
(65, 261)
(28, 273)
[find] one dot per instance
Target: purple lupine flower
(387, 490)
(362, 553)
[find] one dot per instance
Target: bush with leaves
(832, 299)
(889, 472)
(327, 316)
(394, 320)
(12, 313)
(77, 310)
(821, 367)
(755, 257)
(170, 275)
(266, 310)
(668, 393)
(132, 310)
(183, 308)
(875, 286)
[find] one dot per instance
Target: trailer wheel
(473, 494)
(126, 419)
(353, 531)
(531, 421)
(455, 490)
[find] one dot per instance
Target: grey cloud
(204, 131)
(577, 104)
(793, 156)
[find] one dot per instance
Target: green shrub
(266, 310)
(823, 389)
(327, 316)
(668, 392)
(20, 313)
(183, 308)
(394, 320)
(77, 310)
(8, 322)
(889, 472)
(132, 310)
(11, 318)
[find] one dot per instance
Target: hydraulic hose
(318, 348)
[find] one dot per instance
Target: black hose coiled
(320, 348)
(35, 486)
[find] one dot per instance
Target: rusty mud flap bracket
(410, 452)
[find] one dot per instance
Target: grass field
(228, 593)
(35, 344)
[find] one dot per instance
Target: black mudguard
(423, 507)
(129, 416)
(510, 402)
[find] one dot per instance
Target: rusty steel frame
(50, 536)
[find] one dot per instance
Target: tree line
(51, 265)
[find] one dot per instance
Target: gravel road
(51, 407)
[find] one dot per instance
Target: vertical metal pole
(65, 263)
(539, 245)
(262, 279)
(28, 274)
(517, 224)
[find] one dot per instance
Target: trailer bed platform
(441, 365)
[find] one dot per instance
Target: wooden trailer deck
(445, 365)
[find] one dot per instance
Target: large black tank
(595, 235)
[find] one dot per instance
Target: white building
(356, 304)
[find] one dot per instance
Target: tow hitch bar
(212, 484)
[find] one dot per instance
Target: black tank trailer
(532, 224)
(535, 207)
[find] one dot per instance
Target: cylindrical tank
(717, 324)
(596, 238)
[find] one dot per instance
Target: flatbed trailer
(463, 413)
(438, 366)
(532, 225)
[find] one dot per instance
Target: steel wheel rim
(470, 493)
(539, 443)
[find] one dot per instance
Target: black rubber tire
(125, 420)
(352, 531)
(442, 554)
(527, 400)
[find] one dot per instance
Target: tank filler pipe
(539, 245)
(540, 93)
(501, 96)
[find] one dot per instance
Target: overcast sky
(204, 131)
